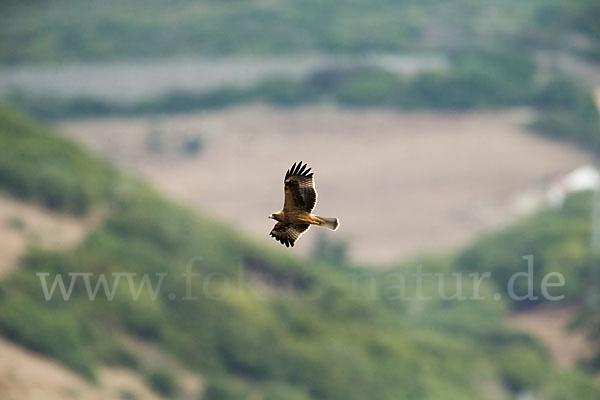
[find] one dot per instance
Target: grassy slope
(324, 337)
(47, 168)
(37, 31)
(559, 240)
(89, 30)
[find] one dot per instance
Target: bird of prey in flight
(300, 197)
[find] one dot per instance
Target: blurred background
(449, 136)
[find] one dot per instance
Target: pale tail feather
(329, 223)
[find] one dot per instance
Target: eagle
(300, 197)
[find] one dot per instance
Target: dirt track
(401, 183)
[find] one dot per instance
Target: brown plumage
(299, 201)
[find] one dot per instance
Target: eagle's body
(300, 199)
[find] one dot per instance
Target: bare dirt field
(550, 325)
(401, 183)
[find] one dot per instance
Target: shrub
(224, 389)
(567, 111)
(368, 87)
(331, 251)
(570, 385)
(281, 391)
(192, 146)
(38, 165)
(163, 382)
(522, 368)
(53, 333)
(282, 91)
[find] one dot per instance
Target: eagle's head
(275, 216)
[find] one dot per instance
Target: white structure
(581, 179)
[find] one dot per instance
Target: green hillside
(559, 240)
(42, 31)
(38, 31)
(318, 332)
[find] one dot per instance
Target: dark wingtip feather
(290, 172)
(298, 169)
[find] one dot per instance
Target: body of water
(130, 81)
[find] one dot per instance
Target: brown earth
(25, 375)
(401, 183)
(550, 325)
(24, 224)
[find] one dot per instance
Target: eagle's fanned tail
(329, 223)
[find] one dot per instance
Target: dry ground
(401, 183)
(25, 375)
(550, 325)
(24, 224)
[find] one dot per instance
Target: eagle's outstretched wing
(288, 233)
(300, 193)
